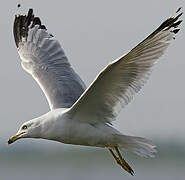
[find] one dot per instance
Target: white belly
(76, 133)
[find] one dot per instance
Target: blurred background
(93, 33)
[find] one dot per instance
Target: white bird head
(29, 129)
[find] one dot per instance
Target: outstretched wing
(43, 57)
(116, 85)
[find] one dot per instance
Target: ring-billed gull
(83, 116)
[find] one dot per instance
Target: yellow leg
(115, 157)
(121, 161)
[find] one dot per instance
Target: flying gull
(80, 115)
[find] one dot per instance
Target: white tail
(137, 145)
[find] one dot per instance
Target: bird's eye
(24, 127)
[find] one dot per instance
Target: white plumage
(83, 116)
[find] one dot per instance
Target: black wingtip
(176, 22)
(22, 24)
(178, 16)
(172, 22)
(132, 173)
(179, 9)
(176, 31)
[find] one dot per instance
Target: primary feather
(43, 57)
(116, 85)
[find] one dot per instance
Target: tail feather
(137, 145)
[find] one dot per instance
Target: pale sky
(93, 33)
